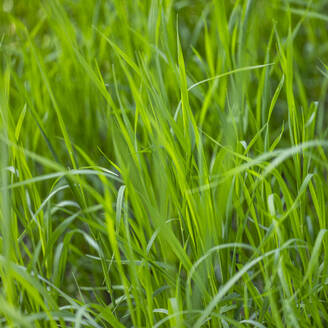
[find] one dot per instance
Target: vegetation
(163, 163)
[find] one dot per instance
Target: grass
(163, 163)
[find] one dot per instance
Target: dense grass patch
(163, 163)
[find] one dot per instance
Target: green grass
(163, 163)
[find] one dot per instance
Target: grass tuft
(163, 163)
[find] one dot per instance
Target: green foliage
(163, 163)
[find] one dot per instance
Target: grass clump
(163, 163)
